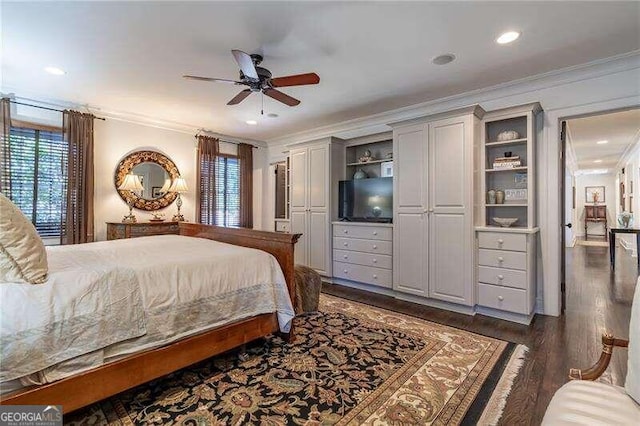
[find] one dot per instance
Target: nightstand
(119, 230)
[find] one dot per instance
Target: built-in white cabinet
(315, 169)
(433, 245)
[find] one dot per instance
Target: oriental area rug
(351, 364)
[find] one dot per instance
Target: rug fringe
(493, 411)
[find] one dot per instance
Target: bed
(142, 308)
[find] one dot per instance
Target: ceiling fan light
(508, 37)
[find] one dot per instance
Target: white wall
(600, 86)
(609, 182)
(114, 139)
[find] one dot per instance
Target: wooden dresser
(119, 230)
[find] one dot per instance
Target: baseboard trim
(507, 316)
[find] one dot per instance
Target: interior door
(298, 222)
(410, 247)
(450, 230)
(563, 218)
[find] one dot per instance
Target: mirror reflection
(153, 178)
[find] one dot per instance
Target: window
(227, 191)
(38, 160)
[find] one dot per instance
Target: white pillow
(22, 254)
(632, 384)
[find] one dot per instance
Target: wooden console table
(612, 243)
(119, 230)
(595, 213)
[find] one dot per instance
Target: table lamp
(178, 186)
(132, 184)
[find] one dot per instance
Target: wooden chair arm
(592, 373)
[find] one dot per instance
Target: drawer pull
(345, 256)
(500, 259)
(345, 271)
(375, 247)
(500, 241)
(346, 231)
(375, 260)
(346, 244)
(500, 298)
(375, 232)
(501, 277)
(375, 277)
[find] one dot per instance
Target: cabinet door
(450, 210)
(298, 224)
(410, 167)
(318, 242)
(410, 255)
(318, 177)
(298, 179)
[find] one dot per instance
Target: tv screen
(366, 200)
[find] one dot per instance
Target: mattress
(178, 286)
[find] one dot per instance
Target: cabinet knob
(425, 211)
(375, 260)
(345, 271)
(500, 277)
(346, 231)
(375, 232)
(500, 259)
(345, 256)
(375, 277)
(500, 298)
(375, 247)
(346, 244)
(500, 241)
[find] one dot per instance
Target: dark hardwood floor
(597, 300)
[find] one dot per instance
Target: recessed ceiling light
(444, 59)
(508, 37)
(602, 142)
(251, 122)
(54, 70)
(597, 161)
(272, 115)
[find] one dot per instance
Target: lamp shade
(179, 185)
(167, 185)
(131, 183)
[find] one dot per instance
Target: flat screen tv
(366, 200)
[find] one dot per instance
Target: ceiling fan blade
(295, 80)
(218, 80)
(279, 96)
(239, 97)
(245, 63)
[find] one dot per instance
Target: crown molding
(377, 123)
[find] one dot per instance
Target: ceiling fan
(259, 80)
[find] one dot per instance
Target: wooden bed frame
(101, 382)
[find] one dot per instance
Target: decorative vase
(360, 174)
(499, 196)
(625, 219)
(491, 196)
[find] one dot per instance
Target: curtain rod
(47, 108)
(231, 142)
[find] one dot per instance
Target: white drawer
(502, 241)
(378, 260)
(363, 274)
(503, 298)
(502, 259)
(366, 246)
(369, 232)
(282, 226)
(503, 277)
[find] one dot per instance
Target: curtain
(5, 155)
(245, 156)
(208, 149)
(77, 216)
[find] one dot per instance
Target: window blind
(227, 191)
(38, 161)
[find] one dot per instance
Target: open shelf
(504, 143)
(506, 204)
(364, 163)
(513, 169)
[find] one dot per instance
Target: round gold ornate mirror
(153, 169)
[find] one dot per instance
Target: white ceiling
(127, 57)
(620, 129)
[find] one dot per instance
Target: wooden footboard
(91, 386)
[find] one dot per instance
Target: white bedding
(186, 285)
